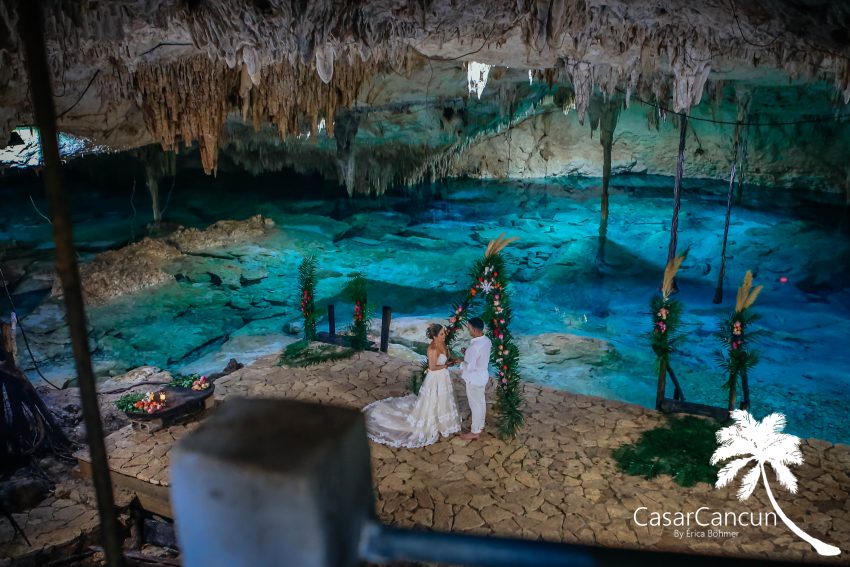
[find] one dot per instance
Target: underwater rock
(562, 355)
(220, 233)
(376, 225)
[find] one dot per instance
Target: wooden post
(41, 92)
(745, 390)
(331, 321)
(386, 319)
(732, 394)
(662, 383)
(8, 346)
(678, 394)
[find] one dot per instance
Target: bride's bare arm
(433, 356)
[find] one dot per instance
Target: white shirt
(476, 361)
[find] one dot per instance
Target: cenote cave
(423, 282)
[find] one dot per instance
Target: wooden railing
(332, 338)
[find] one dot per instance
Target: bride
(415, 421)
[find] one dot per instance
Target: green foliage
(355, 290)
(666, 316)
(737, 357)
(182, 381)
(682, 449)
(126, 402)
(304, 353)
(307, 295)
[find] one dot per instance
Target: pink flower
(452, 320)
(501, 337)
(504, 380)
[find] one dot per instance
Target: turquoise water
(416, 250)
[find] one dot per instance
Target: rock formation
(176, 73)
(139, 265)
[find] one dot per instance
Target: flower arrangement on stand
(666, 314)
(738, 357)
(193, 382)
(356, 291)
(307, 292)
(490, 284)
(149, 403)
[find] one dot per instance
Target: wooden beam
(675, 406)
(153, 497)
(41, 90)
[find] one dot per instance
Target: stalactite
(189, 100)
(607, 124)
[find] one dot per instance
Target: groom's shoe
(470, 436)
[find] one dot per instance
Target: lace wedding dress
(415, 421)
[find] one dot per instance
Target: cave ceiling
(318, 83)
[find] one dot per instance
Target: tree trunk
(29, 424)
(677, 190)
(607, 125)
(745, 390)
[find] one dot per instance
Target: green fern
(682, 449)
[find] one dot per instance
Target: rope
(23, 334)
(841, 118)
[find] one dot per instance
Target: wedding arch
(490, 284)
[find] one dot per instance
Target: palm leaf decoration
(670, 275)
(497, 245)
(737, 357)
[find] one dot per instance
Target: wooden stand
(678, 403)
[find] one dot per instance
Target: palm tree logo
(762, 442)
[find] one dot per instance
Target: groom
(474, 371)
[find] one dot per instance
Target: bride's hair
(433, 330)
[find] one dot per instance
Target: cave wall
(811, 156)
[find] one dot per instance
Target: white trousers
(478, 405)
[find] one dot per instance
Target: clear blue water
(416, 250)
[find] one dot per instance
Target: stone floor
(60, 526)
(556, 481)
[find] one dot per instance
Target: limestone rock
(220, 233)
(129, 269)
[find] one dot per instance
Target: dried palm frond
(752, 297)
(669, 274)
(746, 293)
(499, 244)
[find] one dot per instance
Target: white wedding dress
(415, 421)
